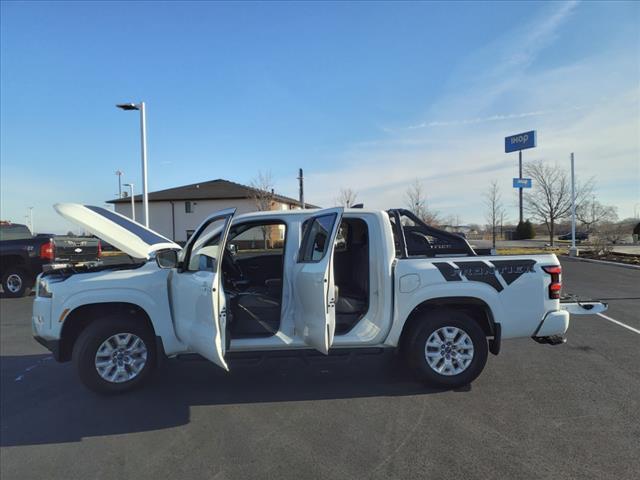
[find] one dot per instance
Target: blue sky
(363, 95)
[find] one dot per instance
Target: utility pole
(301, 187)
(573, 251)
(119, 175)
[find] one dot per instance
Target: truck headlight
(43, 288)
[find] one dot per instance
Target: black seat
(255, 315)
(351, 303)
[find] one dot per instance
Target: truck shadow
(43, 401)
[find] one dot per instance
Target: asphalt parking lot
(537, 411)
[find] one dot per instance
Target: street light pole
(133, 204)
(573, 251)
(143, 144)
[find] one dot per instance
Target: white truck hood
(121, 232)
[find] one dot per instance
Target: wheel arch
(475, 307)
(81, 316)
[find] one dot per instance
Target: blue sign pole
(519, 142)
(520, 189)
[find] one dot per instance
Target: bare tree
(592, 212)
(416, 200)
(262, 195)
(608, 234)
(347, 197)
(495, 209)
(262, 191)
(550, 197)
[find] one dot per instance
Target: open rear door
(197, 295)
(315, 317)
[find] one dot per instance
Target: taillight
(556, 281)
(47, 251)
(99, 249)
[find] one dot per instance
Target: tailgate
(74, 250)
(584, 308)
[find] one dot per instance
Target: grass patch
(531, 251)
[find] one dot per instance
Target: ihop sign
(520, 141)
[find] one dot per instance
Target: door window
(316, 234)
(205, 251)
(251, 240)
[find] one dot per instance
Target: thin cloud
(472, 121)
(540, 35)
(492, 118)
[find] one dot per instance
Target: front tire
(448, 349)
(112, 356)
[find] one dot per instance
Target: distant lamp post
(143, 143)
(133, 205)
(119, 175)
(33, 231)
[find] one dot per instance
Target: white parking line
(620, 323)
(20, 377)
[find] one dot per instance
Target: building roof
(218, 189)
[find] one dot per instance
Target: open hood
(121, 232)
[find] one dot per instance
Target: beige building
(176, 212)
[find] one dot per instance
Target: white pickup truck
(319, 279)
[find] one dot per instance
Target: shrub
(525, 231)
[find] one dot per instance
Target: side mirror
(233, 248)
(167, 258)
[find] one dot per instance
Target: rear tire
(114, 356)
(15, 283)
(448, 349)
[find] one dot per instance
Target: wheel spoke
(121, 357)
(449, 341)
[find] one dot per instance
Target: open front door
(197, 295)
(315, 317)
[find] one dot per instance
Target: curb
(602, 262)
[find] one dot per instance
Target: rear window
(14, 232)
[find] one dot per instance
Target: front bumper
(52, 345)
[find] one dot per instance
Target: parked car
(580, 236)
(390, 282)
(23, 255)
